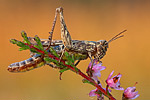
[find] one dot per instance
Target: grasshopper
(81, 48)
(96, 49)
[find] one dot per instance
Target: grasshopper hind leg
(65, 35)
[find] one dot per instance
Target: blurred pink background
(86, 20)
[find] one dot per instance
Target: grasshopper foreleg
(89, 71)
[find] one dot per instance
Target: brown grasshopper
(81, 48)
(89, 48)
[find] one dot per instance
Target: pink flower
(114, 82)
(97, 67)
(130, 93)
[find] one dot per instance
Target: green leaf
(23, 46)
(47, 59)
(36, 46)
(62, 70)
(73, 58)
(34, 51)
(86, 81)
(54, 52)
(70, 59)
(76, 69)
(24, 35)
(20, 44)
(67, 63)
(20, 49)
(66, 54)
(39, 44)
(108, 92)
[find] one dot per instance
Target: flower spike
(130, 93)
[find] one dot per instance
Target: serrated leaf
(13, 41)
(24, 35)
(23, 46)
(39, 44)
(19, 43)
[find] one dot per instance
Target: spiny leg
(65, 35)
(89, 71)
(52, 30)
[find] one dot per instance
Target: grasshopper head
(101, 49)
(103, 45)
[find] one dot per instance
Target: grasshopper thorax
(102, 46)
(103, 43)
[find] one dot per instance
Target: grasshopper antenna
(117, 36)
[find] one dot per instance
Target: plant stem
(86, 77)
(78, 72)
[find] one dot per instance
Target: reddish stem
(38, 50)
(86, 77)
(78, 72)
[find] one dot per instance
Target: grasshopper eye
(106, 44)
(102, 42)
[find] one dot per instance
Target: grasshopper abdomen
(26, 65)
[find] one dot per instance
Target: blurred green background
(86, 20)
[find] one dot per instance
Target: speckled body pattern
(26, 65)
